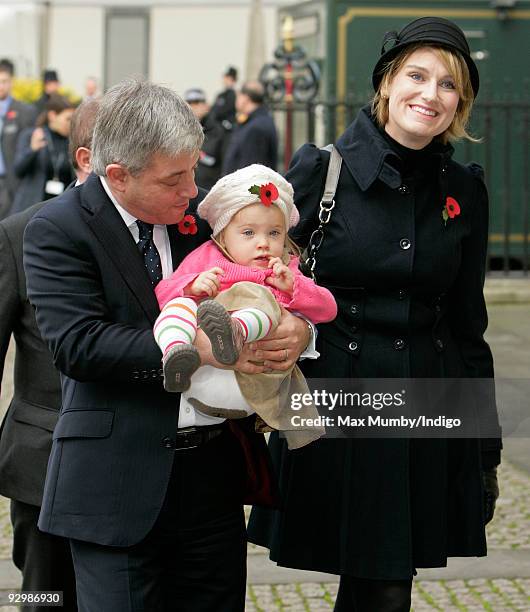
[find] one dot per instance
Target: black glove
(491, 492)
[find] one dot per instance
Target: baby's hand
(206, 283)
(282, 277)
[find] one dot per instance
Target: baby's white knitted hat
(251, 185)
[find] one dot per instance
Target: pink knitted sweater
(313, 302)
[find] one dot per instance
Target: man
(91, 88)
(254, 140)
(14, 117)
(210, 157)
(50, 85)
(26, 438)
(224, 106)
(153, 510)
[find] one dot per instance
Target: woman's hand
(38, 139)
(282, 277)
(207, 283)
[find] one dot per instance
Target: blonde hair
(458, 70)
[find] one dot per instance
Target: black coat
(26, 436)
(34, 168)
(224, 107)
(253, 142)
(19, 116)
(380, 508)
(211, 156)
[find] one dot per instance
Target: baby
(234, 284)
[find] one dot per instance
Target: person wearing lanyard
(41, 160)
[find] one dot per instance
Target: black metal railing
(503, 151)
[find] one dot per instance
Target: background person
(14, 117)
(411, 305)
(211, 155)
(50, 86)
(224, 106)
(42, 161)
(254, 140)
(26, 435)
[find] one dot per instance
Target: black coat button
(404, 189)
(354, 309)
(437, 308)
(399, 344)
(354, 328)
(402, 294)
(353, 346)
(167, 442)
(439, 344)
(404, 243)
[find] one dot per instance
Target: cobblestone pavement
(465, 595)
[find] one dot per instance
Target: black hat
(231, 72)
(50, 75)
(194, 95)
(435, 30)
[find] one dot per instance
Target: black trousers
(194, 558)
(44, 559)
(363, 595)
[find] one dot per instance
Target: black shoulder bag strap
(327, 204)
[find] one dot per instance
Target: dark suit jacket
(26, 435)
(35, 168)
(253, 142)
(19, 117)
(110, 465)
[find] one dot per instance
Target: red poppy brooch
(188, 225)
(12, 114)
(451, 209)
(267, 193)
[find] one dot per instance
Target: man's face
(51, 87)
(242, 101)
(5, 85)
(200, 109)
(91, 87)
(160, 194)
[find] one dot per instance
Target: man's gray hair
(137, 119)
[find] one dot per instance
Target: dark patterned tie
(147, 248)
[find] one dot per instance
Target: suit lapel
(116, 240)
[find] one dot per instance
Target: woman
(411, 305)
(42, 161)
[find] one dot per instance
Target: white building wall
(191, 41)
(76, 44)
(19, 36)
(191, 47)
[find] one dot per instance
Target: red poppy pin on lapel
(188, 225)
(451, 209)
(12, 114)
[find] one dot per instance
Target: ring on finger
(286, 355)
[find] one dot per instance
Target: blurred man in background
(224, 106)
(50, 85)
(210, 160)
(14, 117)
(254, 140)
